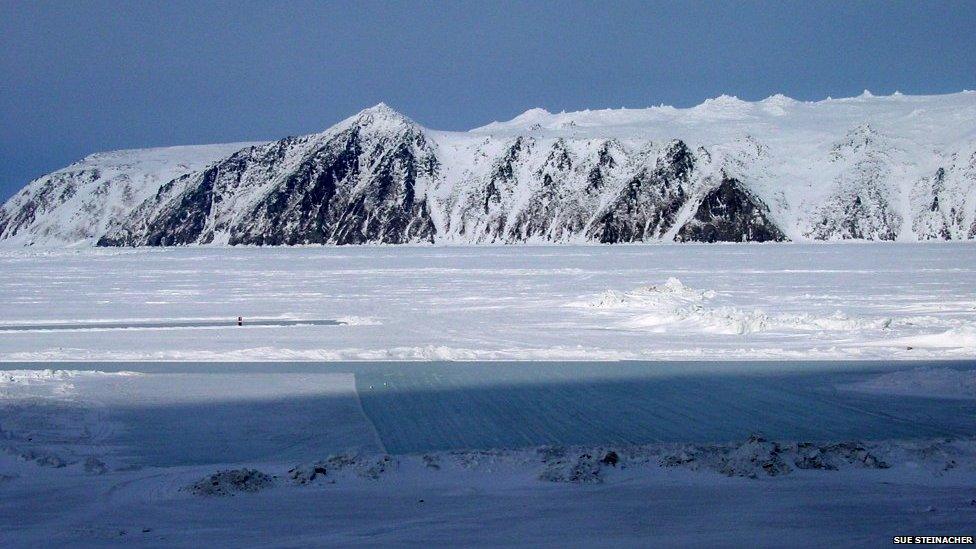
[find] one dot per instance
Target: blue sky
(80, 77)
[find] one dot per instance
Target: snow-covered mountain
(876, 168)
(77, 204)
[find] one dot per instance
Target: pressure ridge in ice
(674, 306)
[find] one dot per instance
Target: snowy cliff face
(76, 204)
(647, 205)
(945, 201)
(363, 180)
(860, 204)
(872, 168)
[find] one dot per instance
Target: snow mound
(370, 467)
(358, 321)
(754, 458)
(27, 377)
(720, 320)
(758, 457)
(305, 474)
(231, 482)
(837, 321)
(582, 467)
(672, 291)
(960, 337)
(673, 305)
(18, 384)
(755, 455)
(921, 382)
(41, 456)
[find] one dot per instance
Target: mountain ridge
(871, 168)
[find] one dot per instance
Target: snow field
(347, 446)
(794, 301)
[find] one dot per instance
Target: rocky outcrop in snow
(648, 204)
(871, 168)
(730, 213)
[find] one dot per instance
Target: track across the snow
(155, 324)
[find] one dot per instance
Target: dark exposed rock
(372, 469)
(758, 457)
(352, 186)
(171, 217)
(230, 482)
(855, 453)
(596, 179)
(579, 469)
(548, 203)
(648, 204)
(729, 213)
(364, 466)
(754, 457)
(941, 215)
(810, 456)
(304, 474)
(431, 462)
(361, 185)
(483, 216)
(95, 466)
(190, 215)
(550, 453)
(326, 201)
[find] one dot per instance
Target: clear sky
(79, 77)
